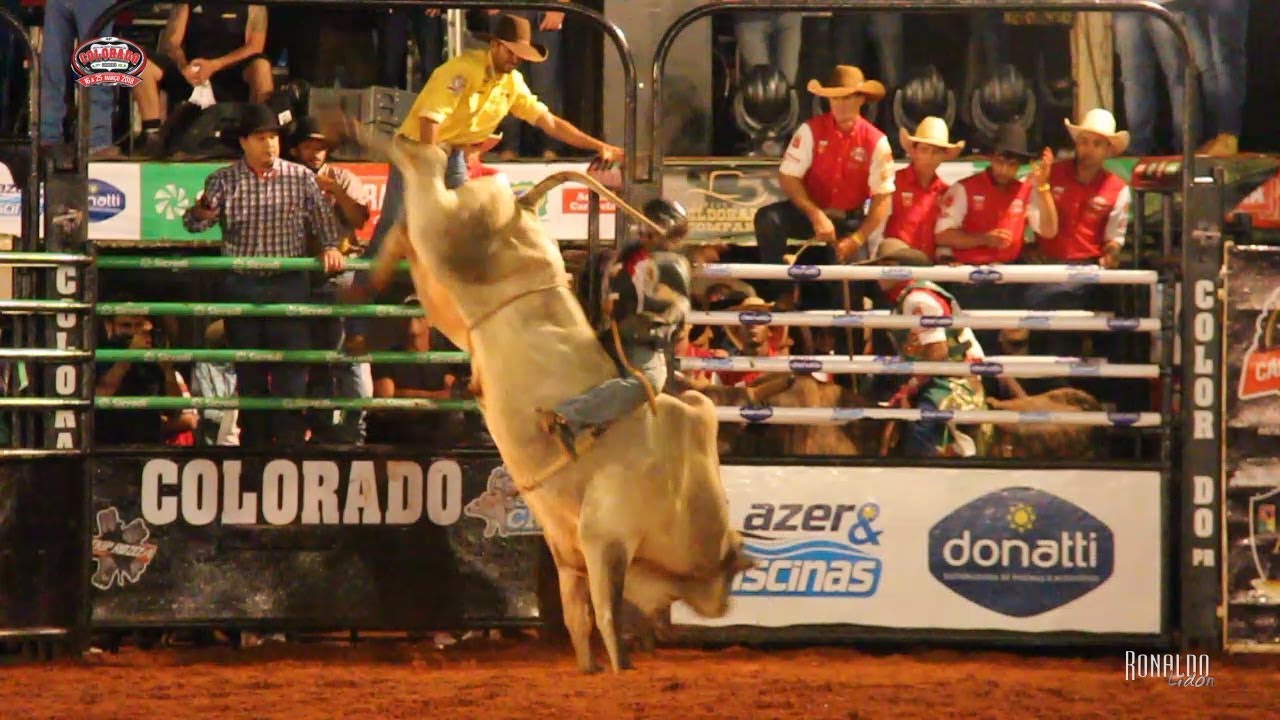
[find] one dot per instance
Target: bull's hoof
(590, 668)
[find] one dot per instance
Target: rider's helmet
(668, 215)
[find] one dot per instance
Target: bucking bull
(642, 516)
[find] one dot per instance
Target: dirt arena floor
(528, 679)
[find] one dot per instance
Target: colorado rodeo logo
(109, 61)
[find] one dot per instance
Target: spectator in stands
(431, 381)
(918, 190)
(131, 379)
(1142, 41)
(267, 207)
(394, 27)
(65, 23)
(929, 438)
(754, 30)
(215, 47)
(1220, 29)
(546, 80)
(345, 194)
(1092, 213)
(984, 217)
(216, 380)
(460, 108)
(835, 164)
(687, 345)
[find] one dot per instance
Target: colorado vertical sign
(1202, 426)
(66, 221)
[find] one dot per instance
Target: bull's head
(709, 596)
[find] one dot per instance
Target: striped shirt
(267, 215)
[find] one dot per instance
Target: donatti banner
(397, 542)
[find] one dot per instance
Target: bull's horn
(534, 194)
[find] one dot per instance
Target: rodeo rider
(645, 302)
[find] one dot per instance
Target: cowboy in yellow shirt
(460, 108)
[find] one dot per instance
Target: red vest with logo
(915, 211)
(1083, 211)
(992, 207)
(839, 177)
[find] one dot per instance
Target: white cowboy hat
(1100, 122)
(931, 131)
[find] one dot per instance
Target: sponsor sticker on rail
(121, 551)
(1189, 670)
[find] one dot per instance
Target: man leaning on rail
(267, 207)
(461, 106)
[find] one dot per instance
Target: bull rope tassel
(622, 357)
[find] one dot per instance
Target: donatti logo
(1260, 374)
(1021, 551)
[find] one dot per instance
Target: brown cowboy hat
(844, 80)
(893, 251)
(517, 34)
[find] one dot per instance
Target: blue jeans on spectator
(455, 174)
(281, 380)
(1218, 33)
(754, 31)
(546, 80)
(1142, 41)
(336, 380)
(922, 437)
(65, 21)
(394, 27)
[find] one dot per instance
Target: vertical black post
(1201, 552)
(593, 247)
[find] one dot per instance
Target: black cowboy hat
(259, 118)
(1008, 140)
(308, 128)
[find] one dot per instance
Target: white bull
(642, 515)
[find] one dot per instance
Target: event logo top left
(109, 61)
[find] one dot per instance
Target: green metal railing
(279, 356)
(142, 262)
(240, 403)
(293, 310)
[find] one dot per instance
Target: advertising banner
(413, 542)
(948, 549)
(115, 208)
(374, 178)
(1252, 450)
(168, 189)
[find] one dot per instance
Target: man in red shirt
(984, 217)
(835, 164)
(1092, 207)
(917, 188)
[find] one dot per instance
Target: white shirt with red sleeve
(977, 205)
(923, 302)
(840, 170)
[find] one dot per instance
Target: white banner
(115, 197)
(563, 210)
(1034, 551)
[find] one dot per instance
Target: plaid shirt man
(266, 215)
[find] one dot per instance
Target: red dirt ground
(528, 680)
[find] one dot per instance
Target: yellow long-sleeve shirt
(468, 99)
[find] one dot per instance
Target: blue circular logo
(755, 413)
(936, 321)
(805, 365)
(755, 317)
(804, 272)
(987, 368)
(986, 275)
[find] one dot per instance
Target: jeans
(546, 80)
(66, 21)
(1141, 42)
(281, 380)
(616, 397)
(339, 380)
(922, 437)
(779, 222)
(455, 174)
(1218, 32)
(394, 28)
(754, 31)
